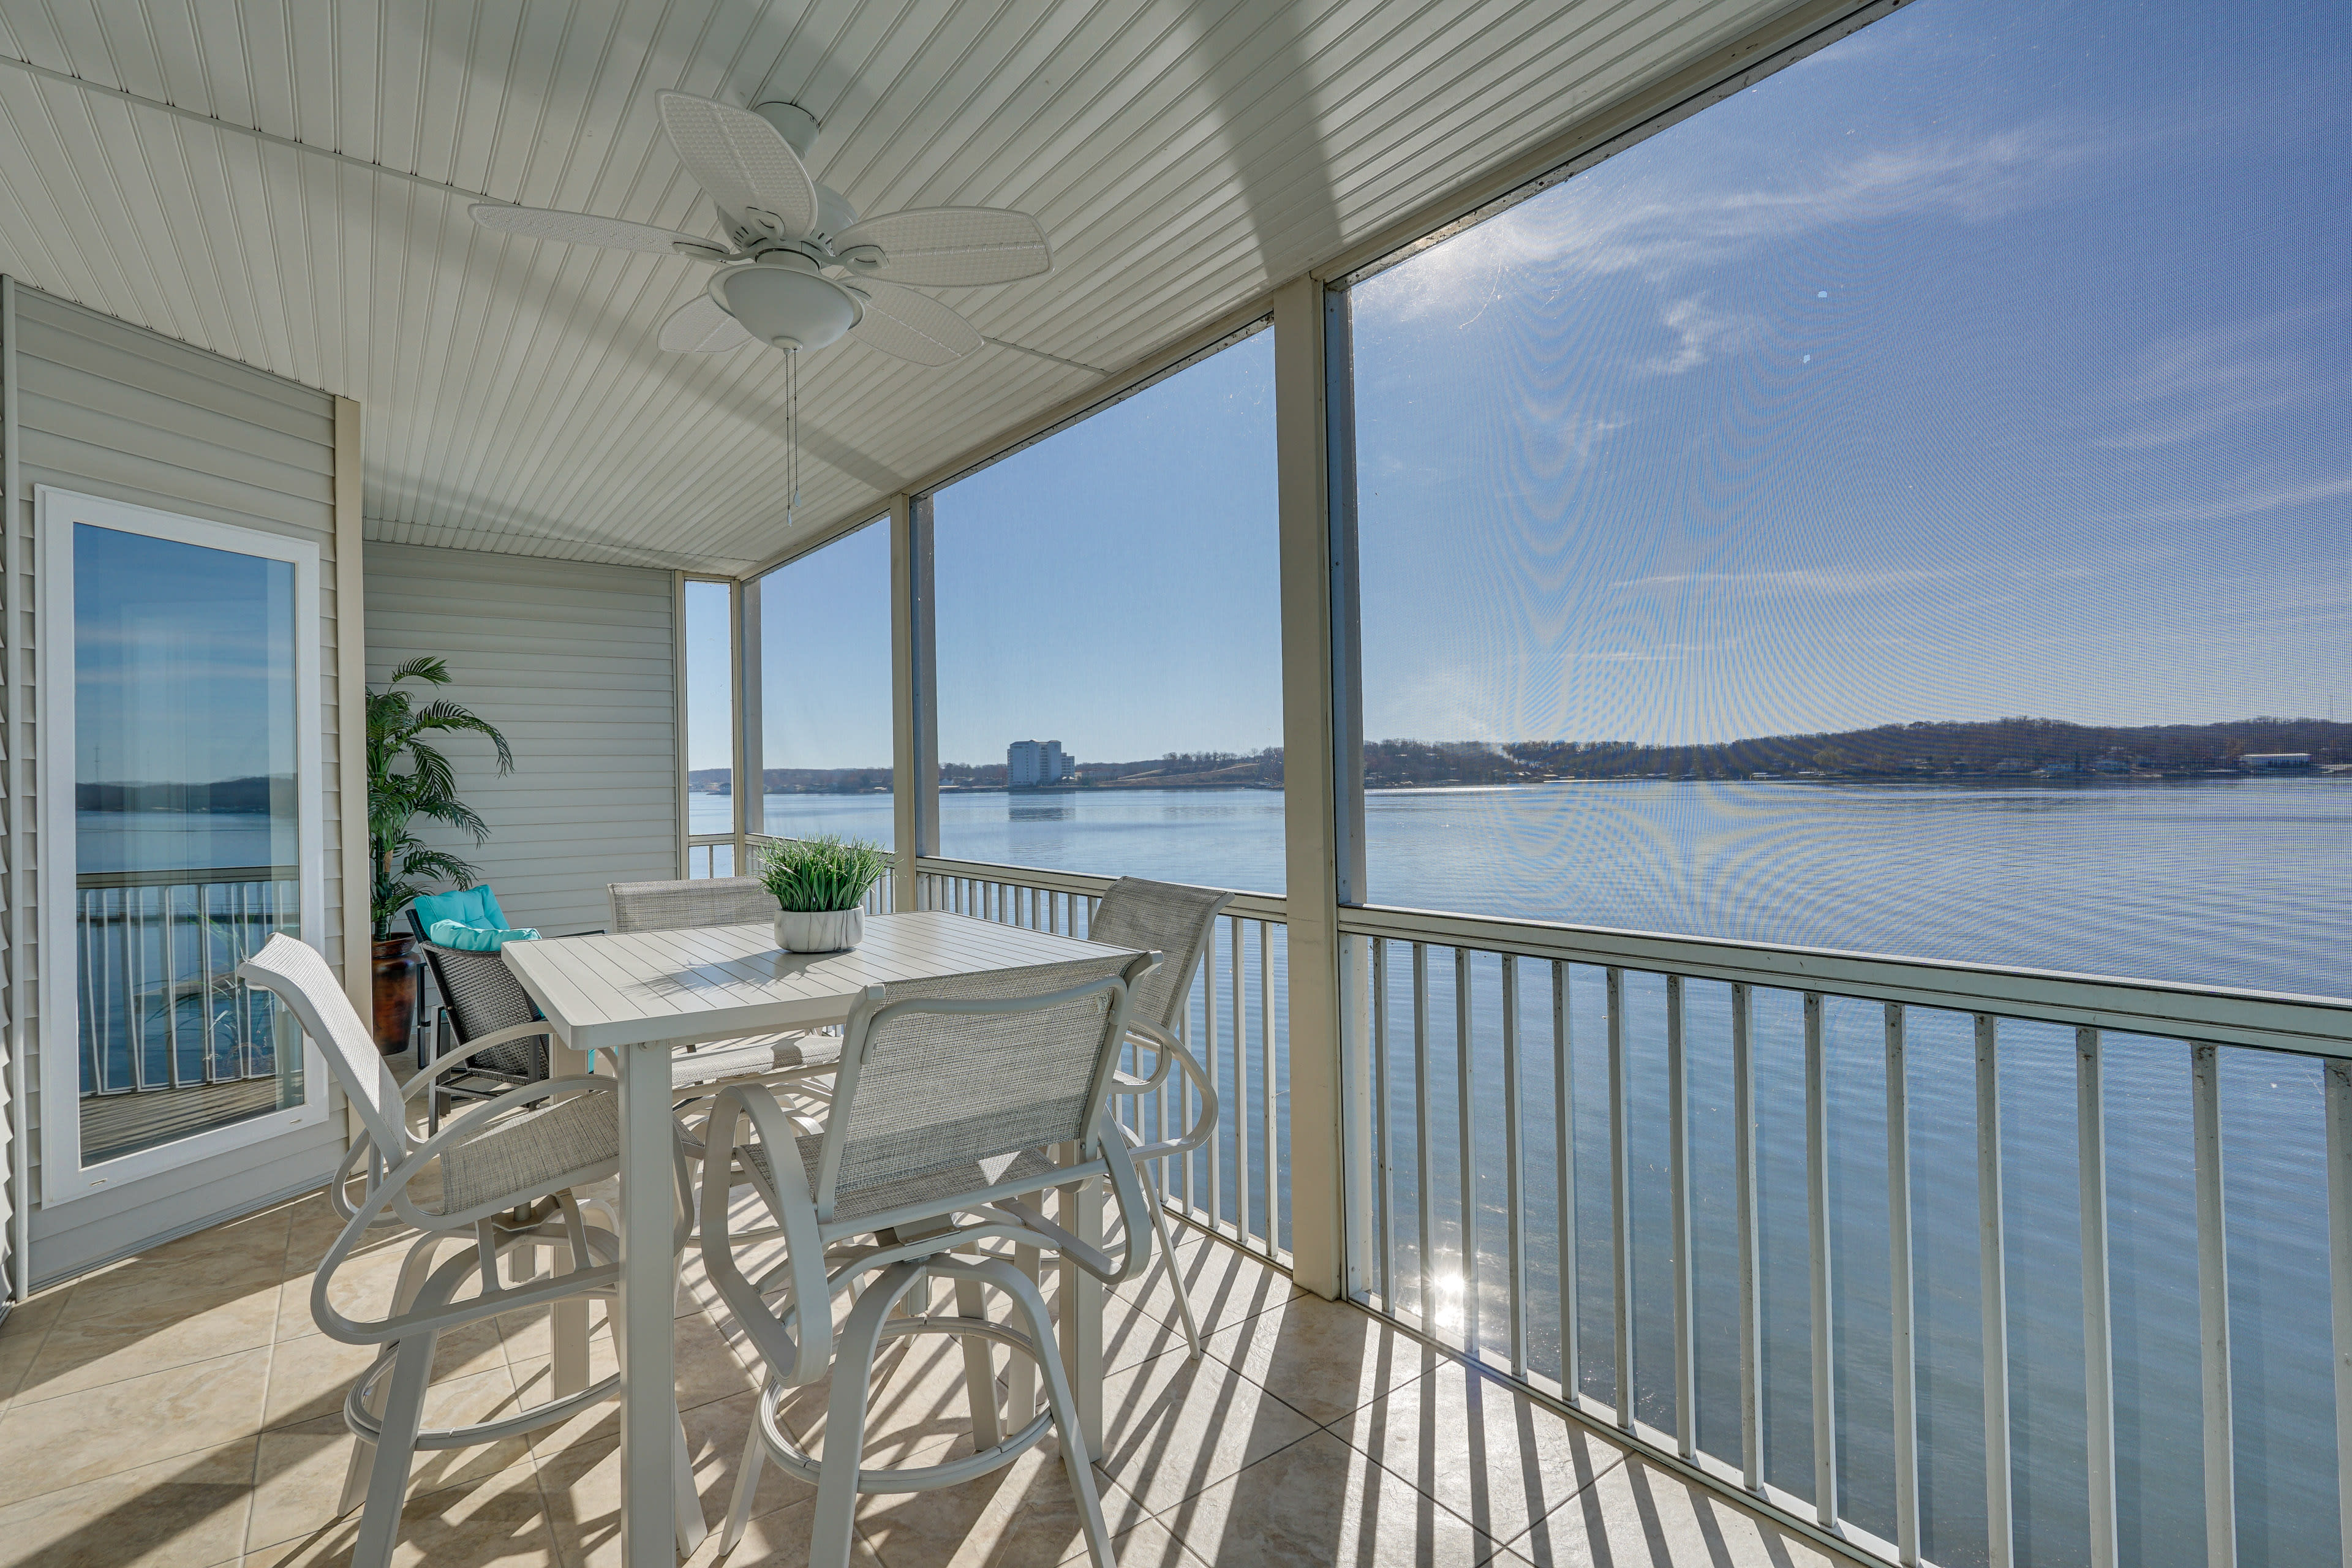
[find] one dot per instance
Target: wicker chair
(951, 1098)
(508, 1171)
(1178, 922)
(484, 1016)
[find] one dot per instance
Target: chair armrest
(1165, 1050)
(1172, 1054)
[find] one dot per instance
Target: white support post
(1312, 729)
(678, 717)
(14, 536)
(914, 710)
(750, 748)
(358, 874)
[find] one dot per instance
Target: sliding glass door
(182, 755)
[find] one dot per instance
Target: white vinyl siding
(574, 663)
(110, 409)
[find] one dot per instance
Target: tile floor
(180, 1409)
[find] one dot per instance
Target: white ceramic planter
(833, 930)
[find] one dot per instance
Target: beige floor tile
(137, 1422)
(917, 1399)
(1492, 1456)
(1023, 1514)
(310, 1375)
(1173, 1427)
(582, 1483)
(258, 1237)
(17, 1353)
(499, 1522)
(312, 1226)
(1320, 1502)
(1322, 1358)
(705, 1365)
(530, 1335)
(168, 1319)
(31, 1317)
(362, 1289)
(183, 1512)
(1224, 1285)
(300, 1472)
(1637, 1513)
(778, 1539)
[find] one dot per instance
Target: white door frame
(63, 1175)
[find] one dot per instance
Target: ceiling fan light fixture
(784, 302)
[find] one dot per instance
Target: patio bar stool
(799, 1059)
(1179, 923)
(508, 1171)
(954, 1097)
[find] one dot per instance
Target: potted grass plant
(820, 887)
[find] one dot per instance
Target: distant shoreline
(1853, 781)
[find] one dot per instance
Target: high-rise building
(1031, 765)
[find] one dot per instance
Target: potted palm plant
(408, 780)
(820, 887)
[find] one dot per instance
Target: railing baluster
(2338, 1090)
(1621, 1193)
(1214, 1149)
(1678, 1177)
(1240, 1089)
(1468, 1151)
(1902, 1319)
(1422, 1134)
(1563, 1153)
(2213, 1311)
(1817, 1221)
(1992, 1271)
(1385, 1131)
(167, 989)
(1265, 1080)
(1187, 1102)
(1514, 1198)
(2099, 1325)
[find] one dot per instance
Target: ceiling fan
(800, 270)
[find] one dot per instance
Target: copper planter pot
(395, 968)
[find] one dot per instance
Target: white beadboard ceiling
(1182, 158)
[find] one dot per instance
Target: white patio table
(638, 995)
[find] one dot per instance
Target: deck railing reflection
(161, 1005)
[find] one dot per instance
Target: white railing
(710, 854)
(160, 1006)
(1237, 1185)
(1725, 1101)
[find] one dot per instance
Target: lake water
(2239, 882)
(2233, 882)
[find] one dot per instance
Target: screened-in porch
(1420, 785)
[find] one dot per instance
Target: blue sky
(183, 661)
(1997, 360)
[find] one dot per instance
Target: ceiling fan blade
(700, 327)
(950, 247)
(580, 228)
(910, 326)
(749, 169)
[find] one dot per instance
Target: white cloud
(1660, 228)
(2189, 385)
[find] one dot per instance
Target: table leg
(1082, 1312)
(569, 1326)
(652, 1526)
